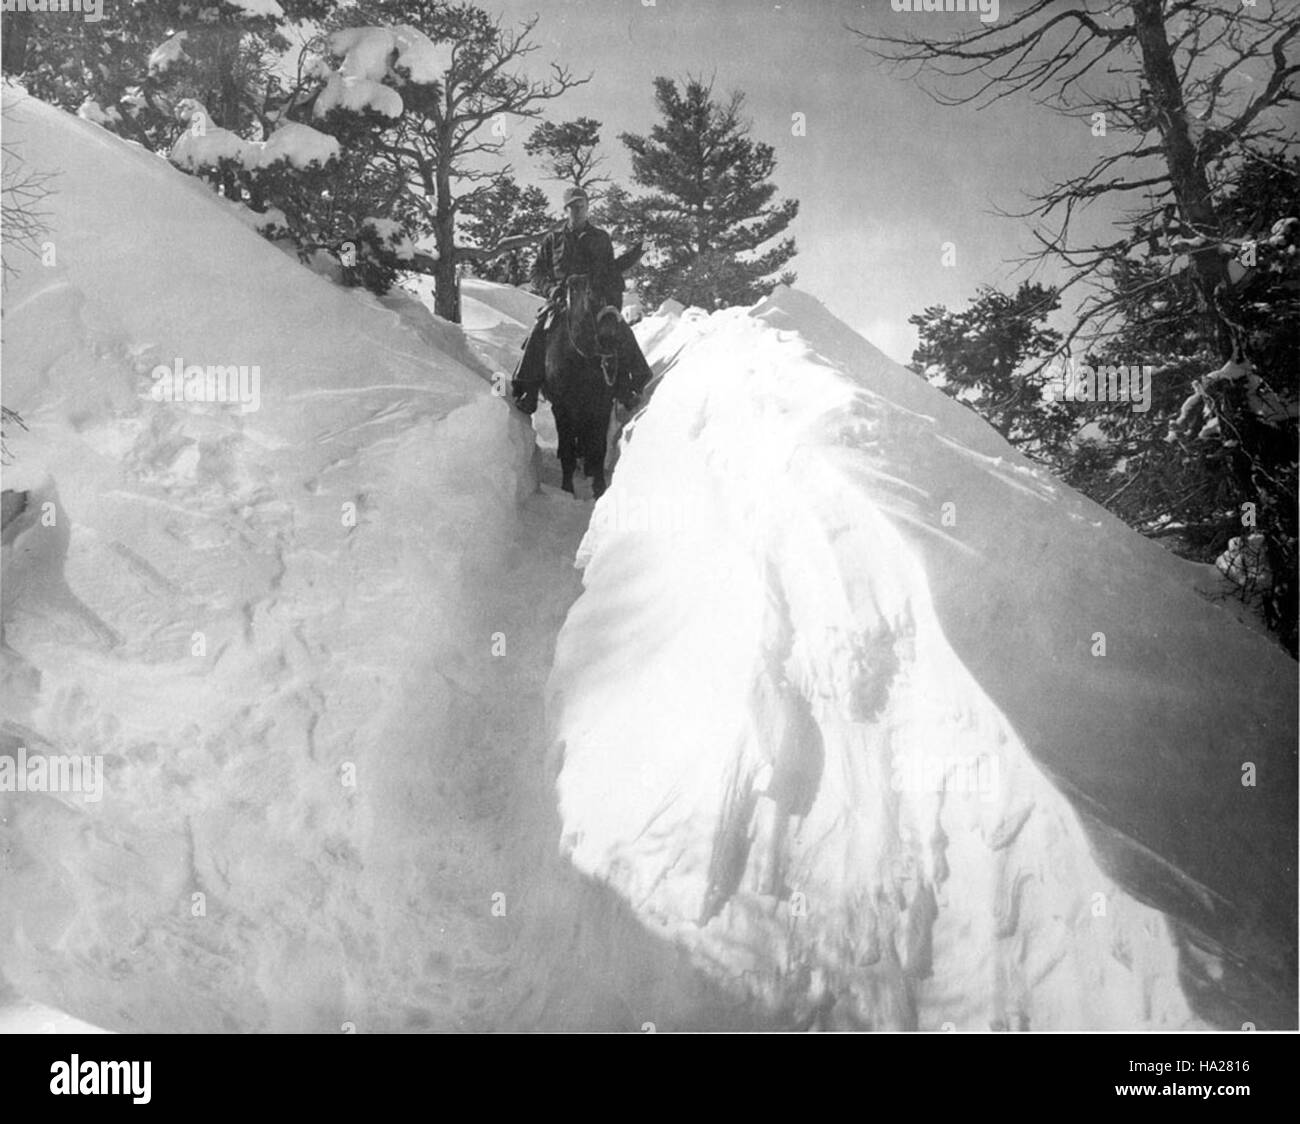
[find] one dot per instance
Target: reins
(608, 367)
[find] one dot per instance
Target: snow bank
(893, 730)
(22, 1016)
(269, 625)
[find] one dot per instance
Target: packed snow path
(345, 786)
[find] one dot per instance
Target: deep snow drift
(883, 723)
(822, 757)
(233, 609)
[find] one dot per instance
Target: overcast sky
(884, 175)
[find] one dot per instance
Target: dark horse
(579, 381)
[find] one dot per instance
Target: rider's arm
(540, 275)
(607, 277)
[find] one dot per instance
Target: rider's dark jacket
(564, 252)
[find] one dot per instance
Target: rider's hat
(573, 193)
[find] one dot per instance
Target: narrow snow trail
(579, 958)
(479, 923)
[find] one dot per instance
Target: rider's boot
(528, 376)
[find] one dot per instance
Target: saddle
(615, 346)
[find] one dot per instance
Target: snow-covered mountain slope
(890, 728)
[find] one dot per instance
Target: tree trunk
(1186, 171)
(446, 292)
(1253, 449)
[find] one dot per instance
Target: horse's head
(580, 313)
(608, 322)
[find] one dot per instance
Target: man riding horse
(573, 249)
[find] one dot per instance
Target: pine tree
(1196, 97)
(504, 210)
(709, 210)
(445, 143)
(220, 55)
(569, 152)
(1199, 471)
(980, 357)
(148, 66)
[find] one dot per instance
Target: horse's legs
(581, 402)
(566, 427)
(566, 444)
(596, 444)
(595, 462)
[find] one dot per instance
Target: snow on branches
(90, 110)
(301, 145)
(375, 59)
(358, 94)
(1260, 400)
(205, 145)
(170, 50)
(1245, 563)
(392, 236)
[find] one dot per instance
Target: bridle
(608, 359)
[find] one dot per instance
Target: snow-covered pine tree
(442, 141)
(318, 173)
(1219, 465)
(144, 58)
